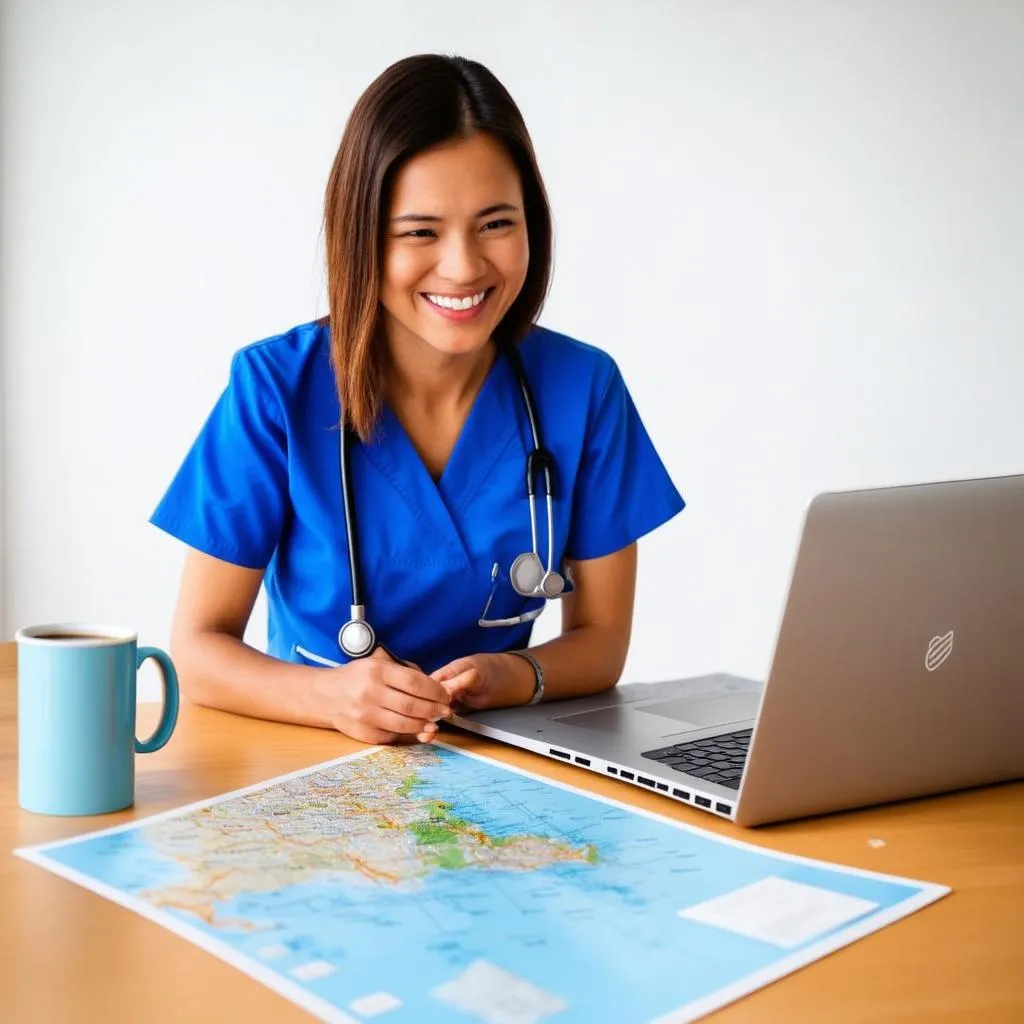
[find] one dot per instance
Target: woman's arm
(215, 667)
(597, 622)
(588, 656)
(373, 700)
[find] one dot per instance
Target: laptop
(898, 671)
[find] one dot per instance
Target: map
(408, 885)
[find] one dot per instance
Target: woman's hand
(487, 680)
(377, 700)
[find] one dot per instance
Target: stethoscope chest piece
(525, 573)
(552, 584)
(529, 578)
(356, 638)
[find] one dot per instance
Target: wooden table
(71, 956)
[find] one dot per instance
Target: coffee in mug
(76, 636)
(76, 717)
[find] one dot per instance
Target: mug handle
(170, 714)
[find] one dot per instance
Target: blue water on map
(604, 939)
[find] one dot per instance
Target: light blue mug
(76, 717)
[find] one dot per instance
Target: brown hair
(416, 103)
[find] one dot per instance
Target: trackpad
(677, 715)
(734, 707)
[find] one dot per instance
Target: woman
(371, 468)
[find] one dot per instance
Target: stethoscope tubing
(539, 457)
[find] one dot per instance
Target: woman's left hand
(487, 681)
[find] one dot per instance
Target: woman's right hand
(377, 700)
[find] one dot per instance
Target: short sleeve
(228, 498)
(623, 489)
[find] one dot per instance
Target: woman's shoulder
(280, 372)
(285, 355)
(553, 357)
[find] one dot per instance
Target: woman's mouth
(458, 307)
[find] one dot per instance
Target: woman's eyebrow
(485, 212)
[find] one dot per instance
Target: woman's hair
(417, 103)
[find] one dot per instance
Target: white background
(796, 225)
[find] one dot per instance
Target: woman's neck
(421, 378)
(432, 394)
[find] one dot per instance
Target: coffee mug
(76, 717)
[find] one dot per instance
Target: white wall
(797, 226)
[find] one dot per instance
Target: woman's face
(456, 250)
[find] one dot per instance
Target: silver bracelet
(538, 677)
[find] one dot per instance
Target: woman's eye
(491, 225)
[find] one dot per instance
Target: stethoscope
(528, 575)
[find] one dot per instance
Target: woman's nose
(462, 261)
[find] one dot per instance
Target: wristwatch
(538, 677)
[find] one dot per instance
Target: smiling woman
(415, 474)
(436, 194)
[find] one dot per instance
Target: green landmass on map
(357, 821)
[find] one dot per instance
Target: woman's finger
(366, 733)
(391, 721)
(414, 682)
(451, 670)
(461, 683)
(411, 706)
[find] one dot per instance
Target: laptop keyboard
(716, 759)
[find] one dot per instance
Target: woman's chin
(457, 343)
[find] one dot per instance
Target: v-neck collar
(487, 432)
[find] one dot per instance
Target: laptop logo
(939, 649)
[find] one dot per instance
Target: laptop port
(645, 781)
(663, 787)
(626, 775)
(703, 801)
(613, 771)
(558, 753)
(584, 761)
(724, 808)
(681, 793)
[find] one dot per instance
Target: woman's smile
(458, 308)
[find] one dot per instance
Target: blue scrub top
(261, 488)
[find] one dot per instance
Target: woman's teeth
(447, 302)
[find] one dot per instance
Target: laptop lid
(899, 665)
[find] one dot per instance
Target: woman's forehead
(459, 177)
